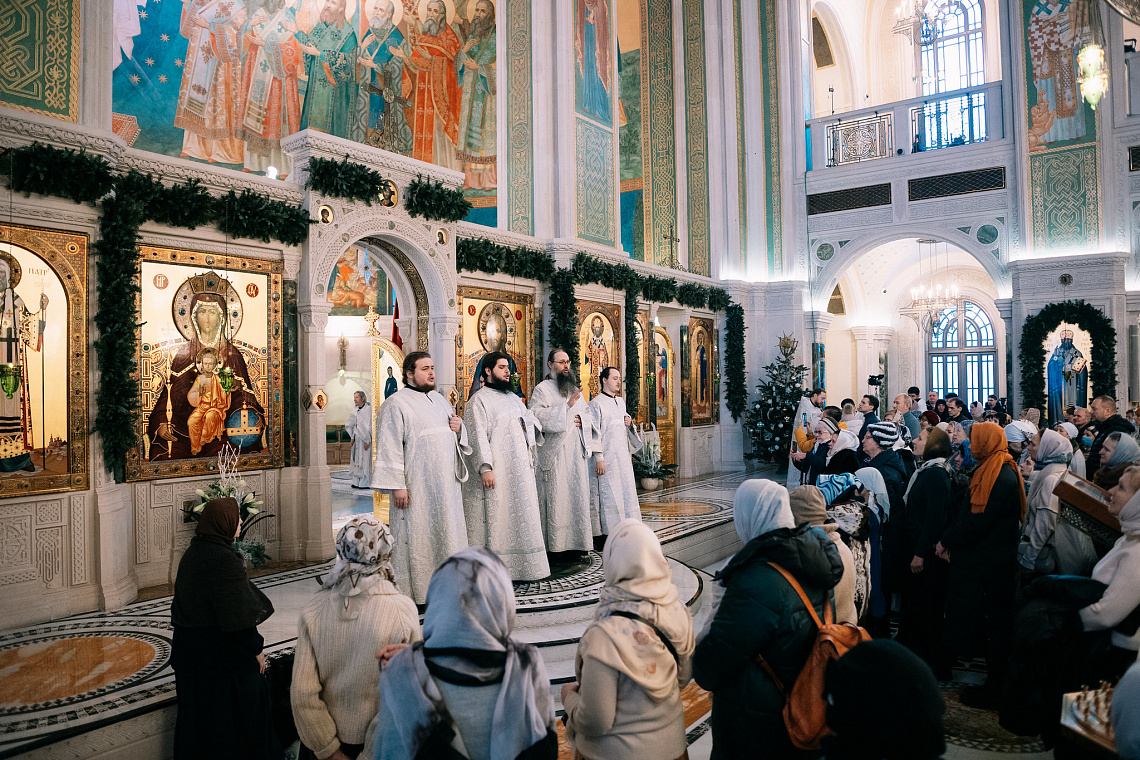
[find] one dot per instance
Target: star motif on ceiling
(149, 61)
(162, 78)
(164, 37)
(134, 78)
(178, 62)
(142, 14)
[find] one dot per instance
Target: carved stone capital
(314, 317)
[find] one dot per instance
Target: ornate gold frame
(708, 327)
(380, 500)
(137, 468)
(668, 430)
(612, 312)
(66, 254)
(526, 301)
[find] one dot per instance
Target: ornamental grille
(849, 142)
(958, 183)
(1134, 158)
(852, 198)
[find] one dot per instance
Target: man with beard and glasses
(420, 448)
(478, 87)
(563, 458)
(500, 498)
(435, 88)
(380, 107)
(330, 63)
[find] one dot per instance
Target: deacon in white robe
(501, 497)
(613, 489)
(359, 429)
(420, 448)
(564, 457)
(810, 408)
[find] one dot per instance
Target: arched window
(962, 353)
(950, 50)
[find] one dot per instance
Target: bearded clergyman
(501, 498)
(420, 448)
(563, 458)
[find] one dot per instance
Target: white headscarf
(470, 606)
(1054, 448)
(1055, 451)
(1071, 429)
(872, 480)
(363, 562)
(759, 507)
(1130, 516)
(639, 581)
(845, 441)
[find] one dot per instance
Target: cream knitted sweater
(335, 672)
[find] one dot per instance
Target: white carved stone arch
(837, 38)
(830, 274)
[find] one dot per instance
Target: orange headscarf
(988, 446)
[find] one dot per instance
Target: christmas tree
(771, 419)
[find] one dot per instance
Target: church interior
(228, 224)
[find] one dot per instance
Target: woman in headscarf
(762, 616)
(981, 546)
(872, 490)
(357, 612)
(1077, 464)
(223, 698)
(634, 657)
(1118, 610)
(468, 684)
(961, 459)
(928, 419)
(1051, 452)
(810, 508)
(923, 585)
(834, 454)
(1119, 452)
(941, 410)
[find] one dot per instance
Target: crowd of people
(954, 530)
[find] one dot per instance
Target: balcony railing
(921, 124)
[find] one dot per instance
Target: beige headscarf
(638, 580)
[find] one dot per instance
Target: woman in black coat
(981, 546)
(223, 698)
(834, 454)
(924, 578)
(761, 615)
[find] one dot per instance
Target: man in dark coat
(958, 413)
(869, 408)
(761, 614)
(1107, 421)
(878, 443)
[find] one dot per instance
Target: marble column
(871, 343)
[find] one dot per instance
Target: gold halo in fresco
(47, 670)
(677, 508)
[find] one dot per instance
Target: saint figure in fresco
(184, 421)
(475, 65)
(270, 104)
(662, 376)
(435, 89)
(1068, 378)
(330, 63)
(381, 103)
(592, 49)
(1055, 32)
(701, 355)
(20, 330)
(597, 354)
(211, 81)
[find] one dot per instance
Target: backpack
(805, 707)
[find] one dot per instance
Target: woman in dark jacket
(981, 546)
(223, 699)
(833, 454)
(923, 584)
(761, 615)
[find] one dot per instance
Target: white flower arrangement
(249, 506)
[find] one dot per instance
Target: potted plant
(251, 548)
(648, 467)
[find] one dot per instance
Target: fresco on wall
(209, 363)
(593, 70)
(628, 22)
(356, 283)
(1058, 115)
(224, 81)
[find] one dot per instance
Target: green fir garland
(1032, 349)
(344, 179)
(735, 382)
(42, 169)
(481, 255)
(252, 215)
(563, 329)
(432, 200)
(633, 370)
(692, 295)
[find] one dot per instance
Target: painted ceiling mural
(224, 81)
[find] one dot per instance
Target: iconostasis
(496, 320)
(598, 344)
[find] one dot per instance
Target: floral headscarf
(363, 553)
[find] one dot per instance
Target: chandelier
(914, 23)
(1093, 74)
(933, 295)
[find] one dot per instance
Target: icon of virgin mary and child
(207, 399)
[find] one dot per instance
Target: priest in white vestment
(359, 429)
(501, 498)
(613, 489)
(564, 457)
(420, 448)
(810, 408)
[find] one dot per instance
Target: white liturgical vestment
(506, 518)
(359, 429)
(812, 413)
(613, 496)
(416, 450)
(563, 468)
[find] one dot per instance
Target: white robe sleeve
(478, 422)
(388, 468)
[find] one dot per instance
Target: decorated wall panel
(630, 66)
(44, 541)
(225, 82)
(40, 46)
(1062, 135)
(659, 138)
(664, 362)
(209, 364)
(43, 361)
(495, 320)
(696, 136)
(520, 88)
(698, 379)
(596, 218)
(770, 126)
(598, 343)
